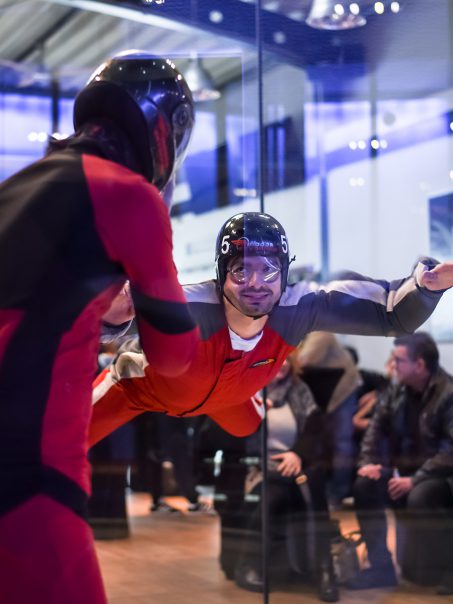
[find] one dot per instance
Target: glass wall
(367, 92)
(336, 119)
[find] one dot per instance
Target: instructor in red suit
(73, 227)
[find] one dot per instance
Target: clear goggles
(267, 269)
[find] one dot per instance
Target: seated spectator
(373, 385)
(323, 350)
(296, 490)
(406, 463)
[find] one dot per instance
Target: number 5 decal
(225, 244)
(284, 244)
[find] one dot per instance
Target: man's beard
(253, 308)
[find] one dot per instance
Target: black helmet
(150, 101)
(251, 233)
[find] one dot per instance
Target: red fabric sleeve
(111, 408)
(134, 226)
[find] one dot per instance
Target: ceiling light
(379, 8)
(279, 37)
(395, 7)
(216, 16)
(297, 15)
(330, 15)
(272, 6)
(200, 82)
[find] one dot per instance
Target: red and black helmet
(251, 233)
(150, 101)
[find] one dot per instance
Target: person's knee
(425, 496)
(364, 489)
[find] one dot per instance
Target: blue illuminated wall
(222, 170)
(25, 122)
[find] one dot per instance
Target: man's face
(405, 370)
(253, 284)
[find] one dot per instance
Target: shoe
(201, 506)
(374, 577)
(195, 507)
(248, 577)
(327, 585)
(162, 507)
(445, 588)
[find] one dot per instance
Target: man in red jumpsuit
(250, 320)
(73, 227)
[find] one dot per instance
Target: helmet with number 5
(251, 234)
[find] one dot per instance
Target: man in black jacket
(406, 462)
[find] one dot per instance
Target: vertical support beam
(323, 186)
(261, 168)
(55, 104)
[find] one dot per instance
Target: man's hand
(290, 464)
(438, 278)
(122, 307)
(371, 471)
(258, 400)
(368, 400)
(397, 487)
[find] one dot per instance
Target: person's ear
(420, 365)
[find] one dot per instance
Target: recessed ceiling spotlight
(272, 6)
(331, 15)
(354, 8)
(395, 7)
(297, 15)
(215, 16)
(379, 8)
(279, 37)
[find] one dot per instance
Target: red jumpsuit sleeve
(240, 420)
(134, 226)
(112, 407)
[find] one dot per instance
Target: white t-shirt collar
(239, 343)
